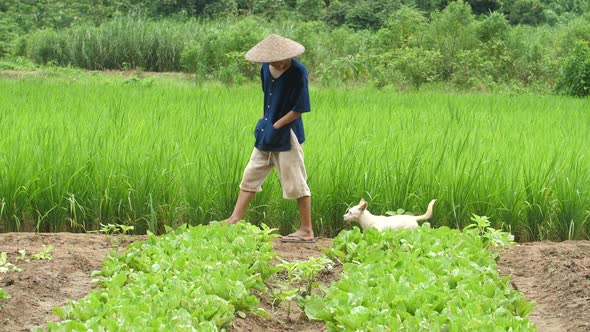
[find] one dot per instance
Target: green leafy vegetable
(420, 280)
(192, 278)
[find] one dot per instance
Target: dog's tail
(428, 213)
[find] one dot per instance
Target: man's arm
(285, 120)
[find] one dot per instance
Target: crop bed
(555, 275)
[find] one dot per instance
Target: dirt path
(555, 275)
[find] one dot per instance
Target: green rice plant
(573, 217)
(172, 152)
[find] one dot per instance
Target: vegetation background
(527, 167)
(535, 45)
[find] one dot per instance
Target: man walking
(279, 133)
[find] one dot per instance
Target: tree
(269, 8)
(311, 10)
(336, 13)
(221, 8)
(8, 33)
(452, 31)
(575, 77)
(493, 27)
(370, 14)
(402, 28)
(529, 12)
(430, 6)
(484, 6)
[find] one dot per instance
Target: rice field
(88, 149)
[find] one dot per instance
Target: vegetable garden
(162, 156)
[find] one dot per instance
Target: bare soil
(556, 275)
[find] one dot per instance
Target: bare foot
(225, 221)
(299, 236)
(231, 220)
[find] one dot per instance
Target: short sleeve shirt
(288, 92)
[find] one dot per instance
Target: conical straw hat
(274, 48)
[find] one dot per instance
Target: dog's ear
(362, 201)
(363, 205)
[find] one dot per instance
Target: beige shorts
(290, 166)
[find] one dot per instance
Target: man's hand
(285, 120)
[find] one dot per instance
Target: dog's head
(354, 213)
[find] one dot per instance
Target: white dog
(366, 219)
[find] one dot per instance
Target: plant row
(167, 153)
(420, 280)
(191, 279)
(408, 280)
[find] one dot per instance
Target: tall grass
(77, 154)
(124, 42)
(409, 53)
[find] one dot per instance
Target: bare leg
(244, 199)
(305, 230)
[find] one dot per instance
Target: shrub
(414, 66)
(311, 10)
(530, 12)
(219, 52)
(575, 77)
(493, 27)
(402, 28)
(473, 68)
(452, 31)
(8, 33)
(123, 42)
(47, 46)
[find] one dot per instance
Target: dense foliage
(191, 279)
(198, 278)
(364, 14)
(154, 151)
(418, 280)
(474, 44)
(575, 79)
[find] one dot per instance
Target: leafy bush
(8, 33)
(414, 66)
(530, 12)
(574, 31)
(311, 10)
(17, 63)
(493, 27)
(532, 58)
(452, 31)
(474, 68)
(575, 77)
(47, 46)
(219, 52)
(402, 28)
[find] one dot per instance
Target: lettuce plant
(192, 278)
(418, 280)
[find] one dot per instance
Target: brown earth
(556, 275)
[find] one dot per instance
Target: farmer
(279, 133)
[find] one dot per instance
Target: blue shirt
(288, 92)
